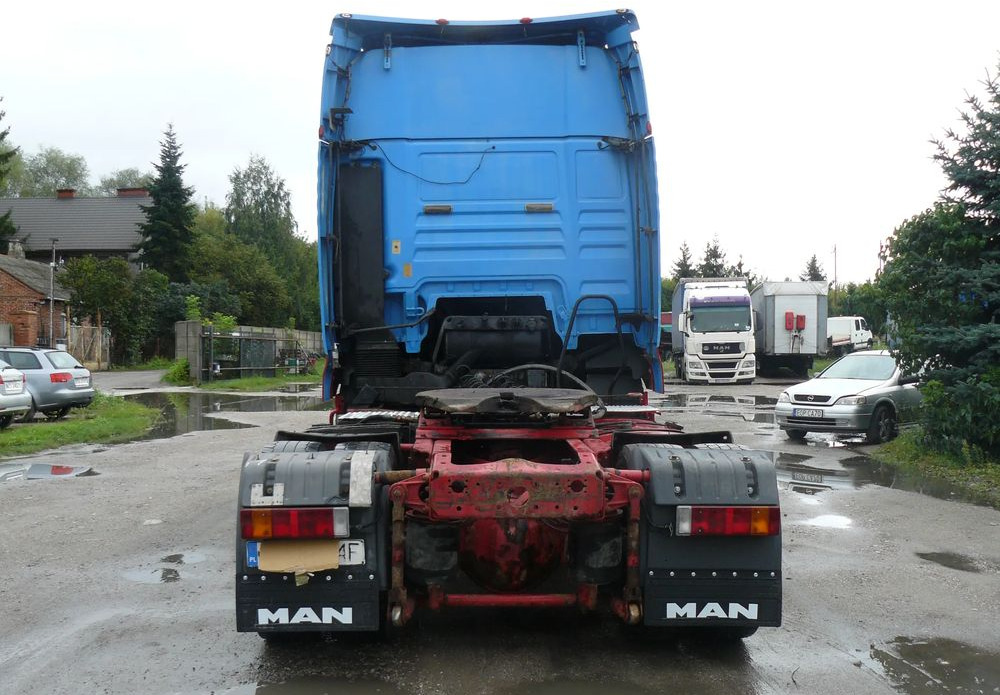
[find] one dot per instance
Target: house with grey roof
(75, 226)
(29, 291)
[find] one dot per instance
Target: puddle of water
(786, 458)
(194, 411)
(319, 686)
(156, 575)
(569, 686)
(829, 521)
(169, 574)
(928, 667)
(952, 561)
(299, 388)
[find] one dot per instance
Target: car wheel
(882, 427)
(57, 414)
(29, 414)
(797, 435)
(5, 420)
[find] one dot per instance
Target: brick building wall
(17, 298)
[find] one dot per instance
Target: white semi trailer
(791, 325)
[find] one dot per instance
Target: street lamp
(52, 291)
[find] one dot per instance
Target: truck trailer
(791, 325)
(712, 336)
(490, 298)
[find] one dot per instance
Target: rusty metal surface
(508, 401)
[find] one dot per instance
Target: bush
(957, 416)
(179, 373)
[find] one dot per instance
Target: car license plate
(14, 387)
(352, 552)
(806, 412)
(83, 381)
(807, 477)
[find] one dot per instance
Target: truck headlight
(851, 400)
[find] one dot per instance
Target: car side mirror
(909, 379)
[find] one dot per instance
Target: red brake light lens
(728, 521)
(282, 522)
(60, 377)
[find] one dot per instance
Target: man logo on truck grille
(305, 615)
(711, 610)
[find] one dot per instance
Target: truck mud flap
(706, 580)
(278, 605)
(292, 578)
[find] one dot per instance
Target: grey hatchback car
(55, 380)
(862, 392)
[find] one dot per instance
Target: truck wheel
(882, 427)
(797, 435)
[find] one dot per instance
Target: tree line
(243, 262)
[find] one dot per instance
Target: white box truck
(791, 325)
(847, 333)
(712, 336)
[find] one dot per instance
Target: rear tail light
(728, 521)
(60, 377)
(283, 522)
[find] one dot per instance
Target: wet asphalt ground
(122, 582)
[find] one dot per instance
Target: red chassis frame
(512, 503)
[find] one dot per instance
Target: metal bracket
(259, 499)
(581, 45)
(362, 468)
(387, 51)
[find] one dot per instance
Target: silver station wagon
(55, 380)
(861, 392)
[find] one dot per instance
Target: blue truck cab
(487, 208)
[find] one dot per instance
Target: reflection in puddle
(568, 686)
(318, 686)
(187, 411)
(952, 561)
(926, 667)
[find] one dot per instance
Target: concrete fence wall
(190, 342)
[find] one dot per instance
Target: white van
(846, 333)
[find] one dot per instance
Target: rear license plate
(83, 381)
(807, 477)
(13, 387)
(352, 552)
(806, 412)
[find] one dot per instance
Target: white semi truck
(712, 337)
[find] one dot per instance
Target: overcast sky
(783, 128)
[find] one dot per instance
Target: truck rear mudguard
(506, 498)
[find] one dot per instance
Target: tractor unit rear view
(489, 265)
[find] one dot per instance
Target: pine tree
(684, 266)
(167, 233)
(813, 272)
(713, 263)
(7, 228)
(941, 285)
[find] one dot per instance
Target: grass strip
(108, 419)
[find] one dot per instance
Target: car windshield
(716, 319)
(874, 367)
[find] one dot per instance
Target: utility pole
(834, 266)
(52, 291)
